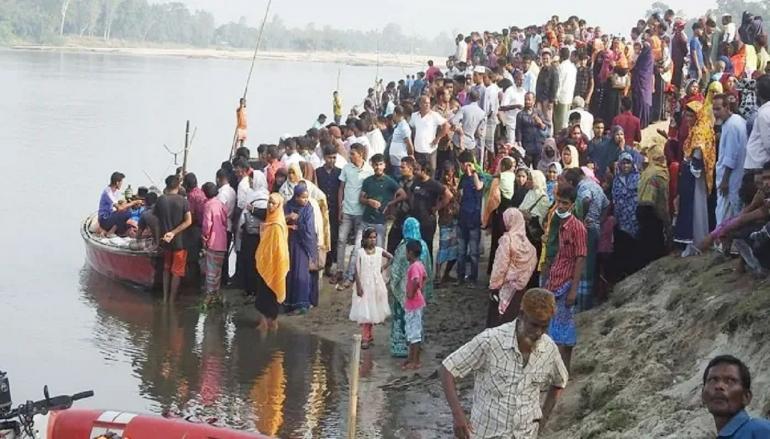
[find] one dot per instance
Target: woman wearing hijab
(247, 238)
(696, 178)
(652, 207)
(397, 286)
(515, 262)
(317, 200)
(569, 157)
(521, 186)
(642, 80)
(534, 208)
(552, 175)
(302, 280)
(625, 187)
(550, 155)
(272, 263)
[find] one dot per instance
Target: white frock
(372, 306)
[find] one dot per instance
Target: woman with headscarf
(515, 262)
(397, 286)
(696, 178)
(272, 263)
(521, 186)
(550, 155)
(652, 207)
(679, 50)
(534, 208)
(554, 170)
(296, 175)
(606, 154)
(642, 81)
(302, 280)
(248, 236)
(625, 187)
(569, 157)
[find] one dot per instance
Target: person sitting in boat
(136, 211)
(113, 216)
(148, 229)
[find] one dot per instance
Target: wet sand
(415, 406)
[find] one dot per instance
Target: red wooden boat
(119, 262)
(92, 424)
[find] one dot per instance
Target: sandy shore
(349, 58)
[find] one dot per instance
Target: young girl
(370, 297)
(416, 276)
(554, 169)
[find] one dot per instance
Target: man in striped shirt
(512, 364)
(566, 270)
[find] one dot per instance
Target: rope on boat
(251, 69)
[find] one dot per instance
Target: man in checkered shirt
(512, 364)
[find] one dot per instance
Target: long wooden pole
(186, 147)
(353, 404)
(251, 70)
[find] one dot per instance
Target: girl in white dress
(369, 305)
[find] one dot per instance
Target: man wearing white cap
(586, 118)
(478, 84)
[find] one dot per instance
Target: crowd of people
(534, 136)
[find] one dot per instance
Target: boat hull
(90, 424)
(142, 268)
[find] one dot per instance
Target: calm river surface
(66, 122)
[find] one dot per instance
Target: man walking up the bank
(512, 363)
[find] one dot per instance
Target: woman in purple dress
(642, 82)
(302, 280)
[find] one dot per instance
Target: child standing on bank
(416, 276)
(369, 305)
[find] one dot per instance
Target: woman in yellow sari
(696, 178)
(272, 262)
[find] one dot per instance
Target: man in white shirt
(586, 118)
(510, 104)
(491, 106)
(356, 134)
(566, 90)
(470, 125)
(461, 55)
(758, 148)
(291, 156)
(401, 141)
(426, 123)
(376, 140)
(530, 77)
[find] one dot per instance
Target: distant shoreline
(348, 58)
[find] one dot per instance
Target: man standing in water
(726, 393)
(512, 363)
(242, 122)
(337, 107)
(174, 215)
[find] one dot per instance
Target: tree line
(142, 21)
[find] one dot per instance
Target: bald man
(512, 364)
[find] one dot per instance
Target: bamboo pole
(353, 404)
(186, 147)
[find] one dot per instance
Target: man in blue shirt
(726, 393)
(471, 192)
(697, 67)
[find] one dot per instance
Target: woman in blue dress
(302, 280)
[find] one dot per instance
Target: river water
(68, 121)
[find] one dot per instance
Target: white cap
(480, 69)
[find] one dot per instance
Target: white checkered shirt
(506, 394)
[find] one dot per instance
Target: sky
(430, 17)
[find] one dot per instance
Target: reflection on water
(217, 365)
